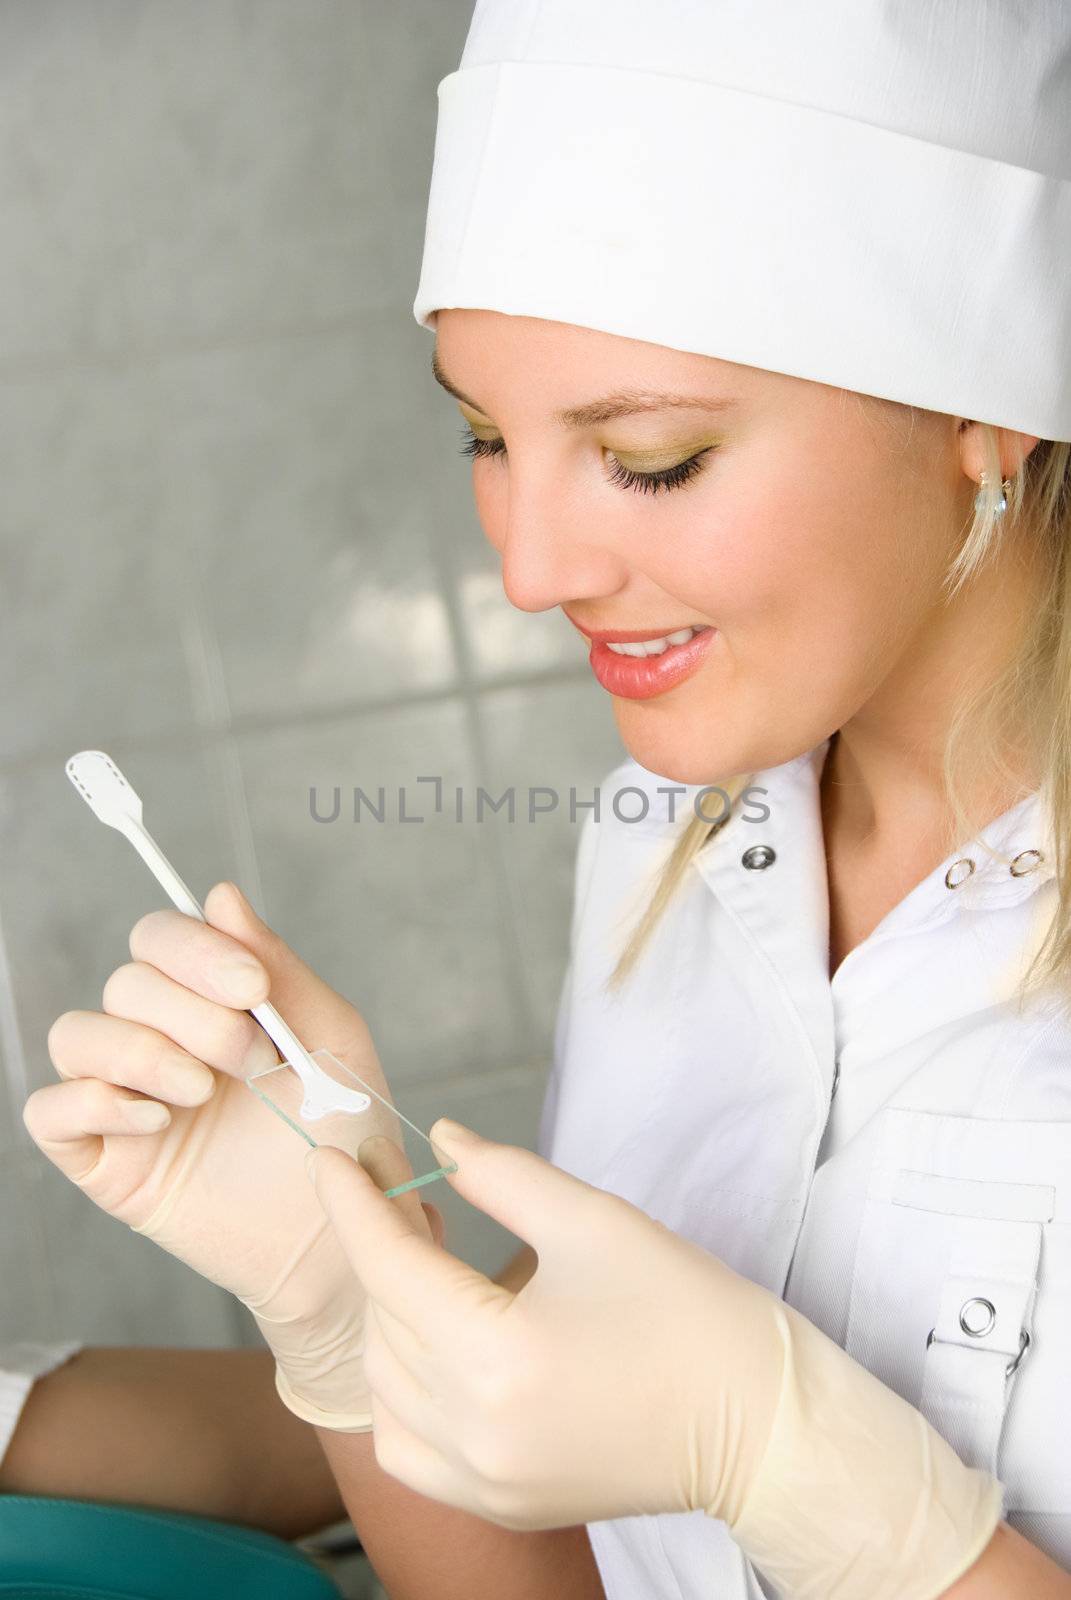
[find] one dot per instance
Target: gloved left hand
(635, 1373)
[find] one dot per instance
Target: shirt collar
(791, 793)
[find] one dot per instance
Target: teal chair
(78, 1550)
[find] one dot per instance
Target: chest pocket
(961, 1290)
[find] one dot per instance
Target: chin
(675, 748)
(701, 744)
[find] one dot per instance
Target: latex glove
(635, 1373)
(155, 1125)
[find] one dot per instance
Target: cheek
(734, 559)
(808, 583)
(790, 555)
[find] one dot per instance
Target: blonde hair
(1028, 707)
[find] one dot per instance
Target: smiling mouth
(652, 647)
(638, 641)
(640, 669)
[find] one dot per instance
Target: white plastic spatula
(110, 797)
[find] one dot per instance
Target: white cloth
(939, 1174)
(874, 194)
(20, 1366)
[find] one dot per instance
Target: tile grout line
(211, 704)
(214, 718)
(263, 723)
(508, 909)
(46, 369)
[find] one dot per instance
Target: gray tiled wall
(240, 553)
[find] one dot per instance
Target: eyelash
(640, 482)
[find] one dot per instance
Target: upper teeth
(653, 647)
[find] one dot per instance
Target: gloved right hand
(154, 1123)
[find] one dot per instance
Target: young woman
(764, 350)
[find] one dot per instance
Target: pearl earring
(980, 498)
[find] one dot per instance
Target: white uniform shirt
(933, 1185)
(20, 1366)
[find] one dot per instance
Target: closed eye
(641, 482)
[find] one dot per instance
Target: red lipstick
(643, 677)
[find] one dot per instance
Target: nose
(546, 561)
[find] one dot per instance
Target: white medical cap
(874, 194)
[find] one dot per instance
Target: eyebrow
(629, 404)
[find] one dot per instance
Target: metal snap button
(759, 856)
(1024, 1345)
(1033, 859)
(977, 1317)
(961, 877)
